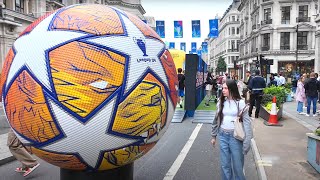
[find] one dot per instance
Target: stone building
(16, 15)
(282, 30)
(226, 45)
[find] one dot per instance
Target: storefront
(288, 68)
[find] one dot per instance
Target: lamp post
(297, 30)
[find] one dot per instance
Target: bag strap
(242, 111)
(238, 114)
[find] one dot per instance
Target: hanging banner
(196, 32)
(193, 47)
(213, 28)
(183, 46)
(160, 29)
(204, 47)
(171, 45)
(178, 29)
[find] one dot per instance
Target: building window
(233, 30)
(233, 18)
(82, 1)
(285, 15)
(266, 42)
(302, 40)
(303, 14)
(285, 41)
(303, 11)
(237, 30)
(267, 14)
(20, 5)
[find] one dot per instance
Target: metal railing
(265, 48)
(302, 47)
(267, 21)
(303, 19)
(285, 47)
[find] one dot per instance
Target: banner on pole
(178, 29)
(183, 46)
(160, 28)
(193, 47)
(171, 45)
(196, 29)
(213, 28)
(204, 47)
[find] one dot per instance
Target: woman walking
(300, 95)
(232, 150)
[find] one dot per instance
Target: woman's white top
(230, 112)
(209, 87)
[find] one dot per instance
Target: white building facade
(16, 15)
(282, 30)
(226, 45)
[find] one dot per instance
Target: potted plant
(266, 103)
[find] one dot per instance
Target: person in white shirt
(232, 150)
(282, 80)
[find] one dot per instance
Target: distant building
(226, 45)
(280, 30)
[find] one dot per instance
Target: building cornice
(14, 16)
(121, 3)
(242, 4)
(229, 23)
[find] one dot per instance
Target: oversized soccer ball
(89, 87)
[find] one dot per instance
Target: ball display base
(121, 173)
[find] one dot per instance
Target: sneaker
(180, 105)
(29, 170)
(301, 113)
(315, 115)
(307, 115)
(256, 116)
(20, 169)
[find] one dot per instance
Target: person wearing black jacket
(209, 85)
(312, 87)
(256, 86)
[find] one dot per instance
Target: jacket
(300, 93)
(312, 87)
(257, 84)
(246, 126)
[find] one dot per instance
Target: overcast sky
(186, 11)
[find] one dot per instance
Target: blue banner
(183, 46)
(160, 28)
(145, 21)
(196, 31)
(213, 28)
(178, 29)
(204, 47)
(171, 45)
(193, 47)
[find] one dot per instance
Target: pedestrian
(294, 85)
(210, 82)
(273, 82)
(181, 79)
(232, 150)
(29, 164)
(246, 91)
(312, 87)
(300, 95)
(282, 80)
(257, 84)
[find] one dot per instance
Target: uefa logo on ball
(89, 87)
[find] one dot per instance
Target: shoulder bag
(238, 132)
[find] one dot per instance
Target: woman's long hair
(234, 93)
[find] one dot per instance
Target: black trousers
(255, 100)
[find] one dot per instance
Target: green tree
(221, 66)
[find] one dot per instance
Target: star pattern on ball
(41, 40)
(90, 140)
(143, 52)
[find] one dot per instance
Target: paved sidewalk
(283, 150)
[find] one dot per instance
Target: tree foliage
(221, 66)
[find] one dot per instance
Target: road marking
(264, 163)
(177, 163)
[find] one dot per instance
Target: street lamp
(297, 30)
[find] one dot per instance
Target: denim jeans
(231, 156)
(314, 104)
(300, 107)
(294, 89)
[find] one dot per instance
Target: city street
(201, 162)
